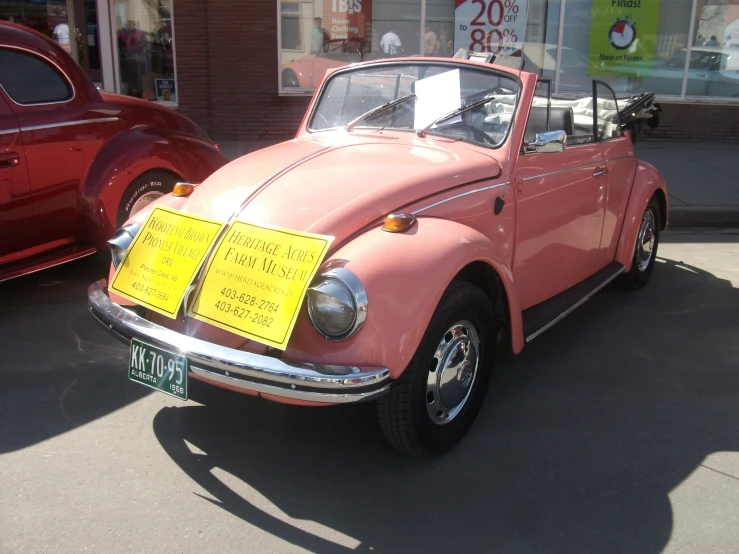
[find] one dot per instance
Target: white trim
(114, 41)
(688, 49)
(68, 123)
(279, 47)
(422, 35)
(105, 45)
(174, 44)
(560, 33)
(419, 210)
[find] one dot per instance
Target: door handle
(598, 171)
(9, 160)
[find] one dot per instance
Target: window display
(632, 46)
(317, 35)
(146, 49)
(713, 68)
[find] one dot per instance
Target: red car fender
(647, 183)
(415, 266)
(130, 154)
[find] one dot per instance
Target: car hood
(337, 187)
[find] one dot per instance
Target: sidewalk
(702, 178)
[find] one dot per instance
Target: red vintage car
(75, 162)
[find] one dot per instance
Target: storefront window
(146, 49)
(713, 68)
(316, 35)
(634, 46)
(629, 45)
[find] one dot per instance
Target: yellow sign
(255, 282)
(164, 258)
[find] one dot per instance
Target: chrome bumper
(325, 384)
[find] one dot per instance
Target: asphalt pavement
(615, 431)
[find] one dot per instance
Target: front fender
(647, 182)
(404, 275)
(129, 154)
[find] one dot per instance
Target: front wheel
(645, 250)
(433, 404)
(142, 191)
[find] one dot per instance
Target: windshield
(432, 91)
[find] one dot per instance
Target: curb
(703, 216)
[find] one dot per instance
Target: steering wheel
(469, 130)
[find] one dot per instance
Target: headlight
(120, 242)
(337, 304)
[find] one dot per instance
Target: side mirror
(552, 141)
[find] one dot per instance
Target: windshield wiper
(453, 113)
(378, 110)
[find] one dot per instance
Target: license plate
(157, 368)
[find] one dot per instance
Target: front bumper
(246, 371)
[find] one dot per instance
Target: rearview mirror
(552, 141)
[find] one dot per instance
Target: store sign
(347, 19)
(623, 36)
(166, 90)
(494, 26)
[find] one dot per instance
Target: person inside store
(319, 36)
(390, 43)
(430, 42)
(712, 41)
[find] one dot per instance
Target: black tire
(154, 181)
(638, 276)
(290, 79)
(403, 414)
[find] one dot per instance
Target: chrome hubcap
(144, 200)
(645, 241)
(453, 372)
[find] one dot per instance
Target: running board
(541, 317)
(43, 261)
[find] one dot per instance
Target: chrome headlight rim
(351, 284)
(120, 242)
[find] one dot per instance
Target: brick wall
(227, 70)
(696, 122)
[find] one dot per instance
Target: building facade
(246, 69)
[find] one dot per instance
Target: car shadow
(581, 439)
(57, 369)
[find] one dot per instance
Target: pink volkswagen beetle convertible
(427, 212)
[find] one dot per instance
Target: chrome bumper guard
(325, 384)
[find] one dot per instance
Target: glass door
(70, 23)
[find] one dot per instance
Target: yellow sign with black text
(255, 282)
(164, 258)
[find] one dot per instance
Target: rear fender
(404, 275)
(647, 183)
(130, 154)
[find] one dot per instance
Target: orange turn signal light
(183, 189)
(397, 223)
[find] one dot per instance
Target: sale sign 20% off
(493, 26)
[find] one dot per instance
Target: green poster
(623, 35)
